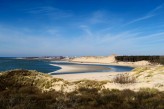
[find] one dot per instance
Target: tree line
(152, 59)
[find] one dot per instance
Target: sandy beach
(146, 76)
(99, 76)
(91, 72)
(92, 60)
(79, 68)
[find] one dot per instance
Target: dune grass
(84, 98)
(124, 79)
(19, 90)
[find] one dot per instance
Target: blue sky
(81, 27)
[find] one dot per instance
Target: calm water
(113, 68)
(44, 66)
(39, 65)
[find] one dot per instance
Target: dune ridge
(110, 60)
(95, 59)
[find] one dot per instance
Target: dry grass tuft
(124, 79)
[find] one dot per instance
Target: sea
(38, 65)
(10, 63)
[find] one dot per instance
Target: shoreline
(84, 71)
(146, 77)
(126, 64)
(96, 63)
(98, 76)
(79, 68)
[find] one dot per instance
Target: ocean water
(45, 67)
(39, 65)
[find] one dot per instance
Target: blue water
(39, 65)
(45, 67)
(113, 68)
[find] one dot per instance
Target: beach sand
(108, 60)
(92, 72)
(99, 76)
(79, 68)
(146, 76)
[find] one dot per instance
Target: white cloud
(99, 41)
(141, 18)
(94, 43)
(98, 17)
(86, 29)
(150, 14)
(51, 12)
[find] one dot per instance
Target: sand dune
(95, 59)
(110, 60)
(146, 77)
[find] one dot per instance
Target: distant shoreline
(96, 63)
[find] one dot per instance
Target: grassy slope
(22, 89)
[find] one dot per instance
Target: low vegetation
(148, 71)
(124, 79)
(19, 92)
(140, 69)
(90, 84)
(152, 59)
(83, 98)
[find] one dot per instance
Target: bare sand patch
(79, 68)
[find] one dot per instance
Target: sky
(81, 27)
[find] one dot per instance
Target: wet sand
(92, 72)
(79, 68)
